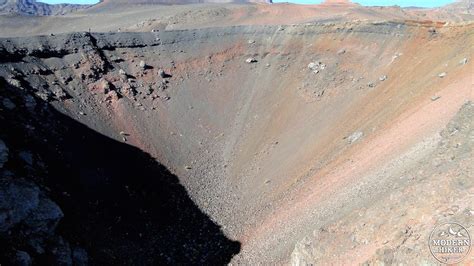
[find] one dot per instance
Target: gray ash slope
(72, 196)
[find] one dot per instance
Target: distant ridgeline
(35, 8)
(32, 7)
(179, 2)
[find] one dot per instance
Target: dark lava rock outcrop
(72, 196)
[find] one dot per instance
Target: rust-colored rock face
(245, 134)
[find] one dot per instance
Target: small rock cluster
(316, 66)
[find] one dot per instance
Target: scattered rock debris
(116, 59)
(312, 66)
(59, 93)
(316, 66)
(14, 82)
(142, 65)
(395, 56)
(355, 137)
(403, 238)
(251, 60)
(162, 73)
(432, 31)
(436, 97)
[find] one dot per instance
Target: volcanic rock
(3, 153)
(355, 137)
(142, 65)
(18, 199)
(22, 258)
(162, 73)
(80, 257)
(7, 103)
(251, 60)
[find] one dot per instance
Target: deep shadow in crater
(120, 204)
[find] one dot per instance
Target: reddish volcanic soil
(323, 134)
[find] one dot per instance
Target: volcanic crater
(233, 144)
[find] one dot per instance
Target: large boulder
(3, 153)
(21, 258)
(22, 204)
(44, 218)
(80, 257)
(61, 252)
(18, 198)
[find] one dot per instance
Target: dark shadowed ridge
(119, 204)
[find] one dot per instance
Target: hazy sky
(420, 3)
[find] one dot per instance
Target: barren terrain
(248, 134)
